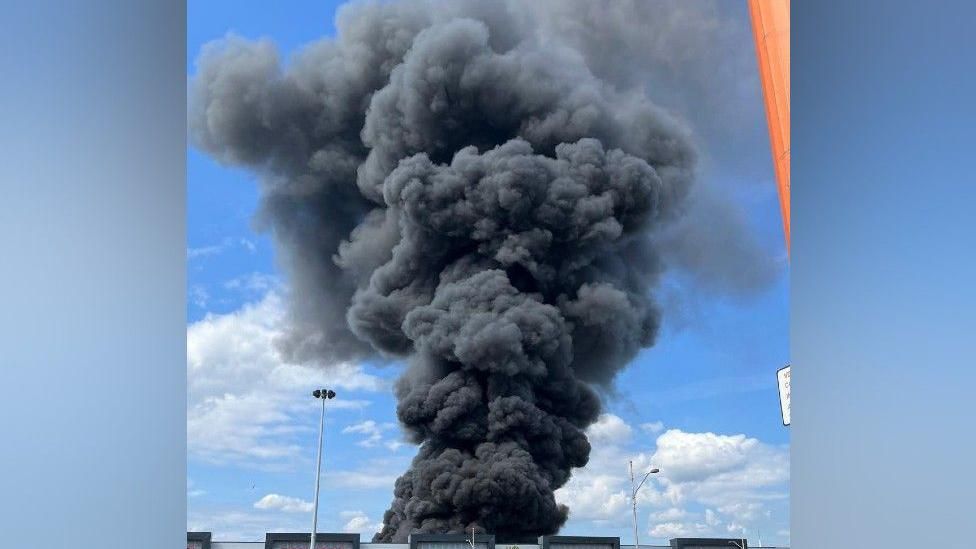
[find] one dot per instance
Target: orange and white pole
(771, 30)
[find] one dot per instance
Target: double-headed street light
(633, 496)
(323, 394)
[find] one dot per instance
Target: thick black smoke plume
(448, 188)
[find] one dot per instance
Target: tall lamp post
(633, 496)
(323, 395)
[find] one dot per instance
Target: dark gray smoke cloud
(451, 186)
(696, 59)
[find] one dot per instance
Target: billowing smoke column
(445, 189)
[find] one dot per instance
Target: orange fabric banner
(771, 30)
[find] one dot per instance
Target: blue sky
(701, 404)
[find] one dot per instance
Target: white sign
(783, 378)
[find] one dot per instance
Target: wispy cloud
(191, 491)
(710, 388)
(224, 245)
(362, 479)
(377, 473)
(203, 251)
(372, 433)
(654, 427)
(255, 283)
(199, 296)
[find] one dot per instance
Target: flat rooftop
(202, 540)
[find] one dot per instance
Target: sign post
(783, 380)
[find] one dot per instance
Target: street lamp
(323, 395)
(633, 496)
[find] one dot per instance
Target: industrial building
(274, 540)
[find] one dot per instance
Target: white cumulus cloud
(284, 503)
(609, 429)
(245, 402)
(359, 522)
(707, 481)
(695, 456)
